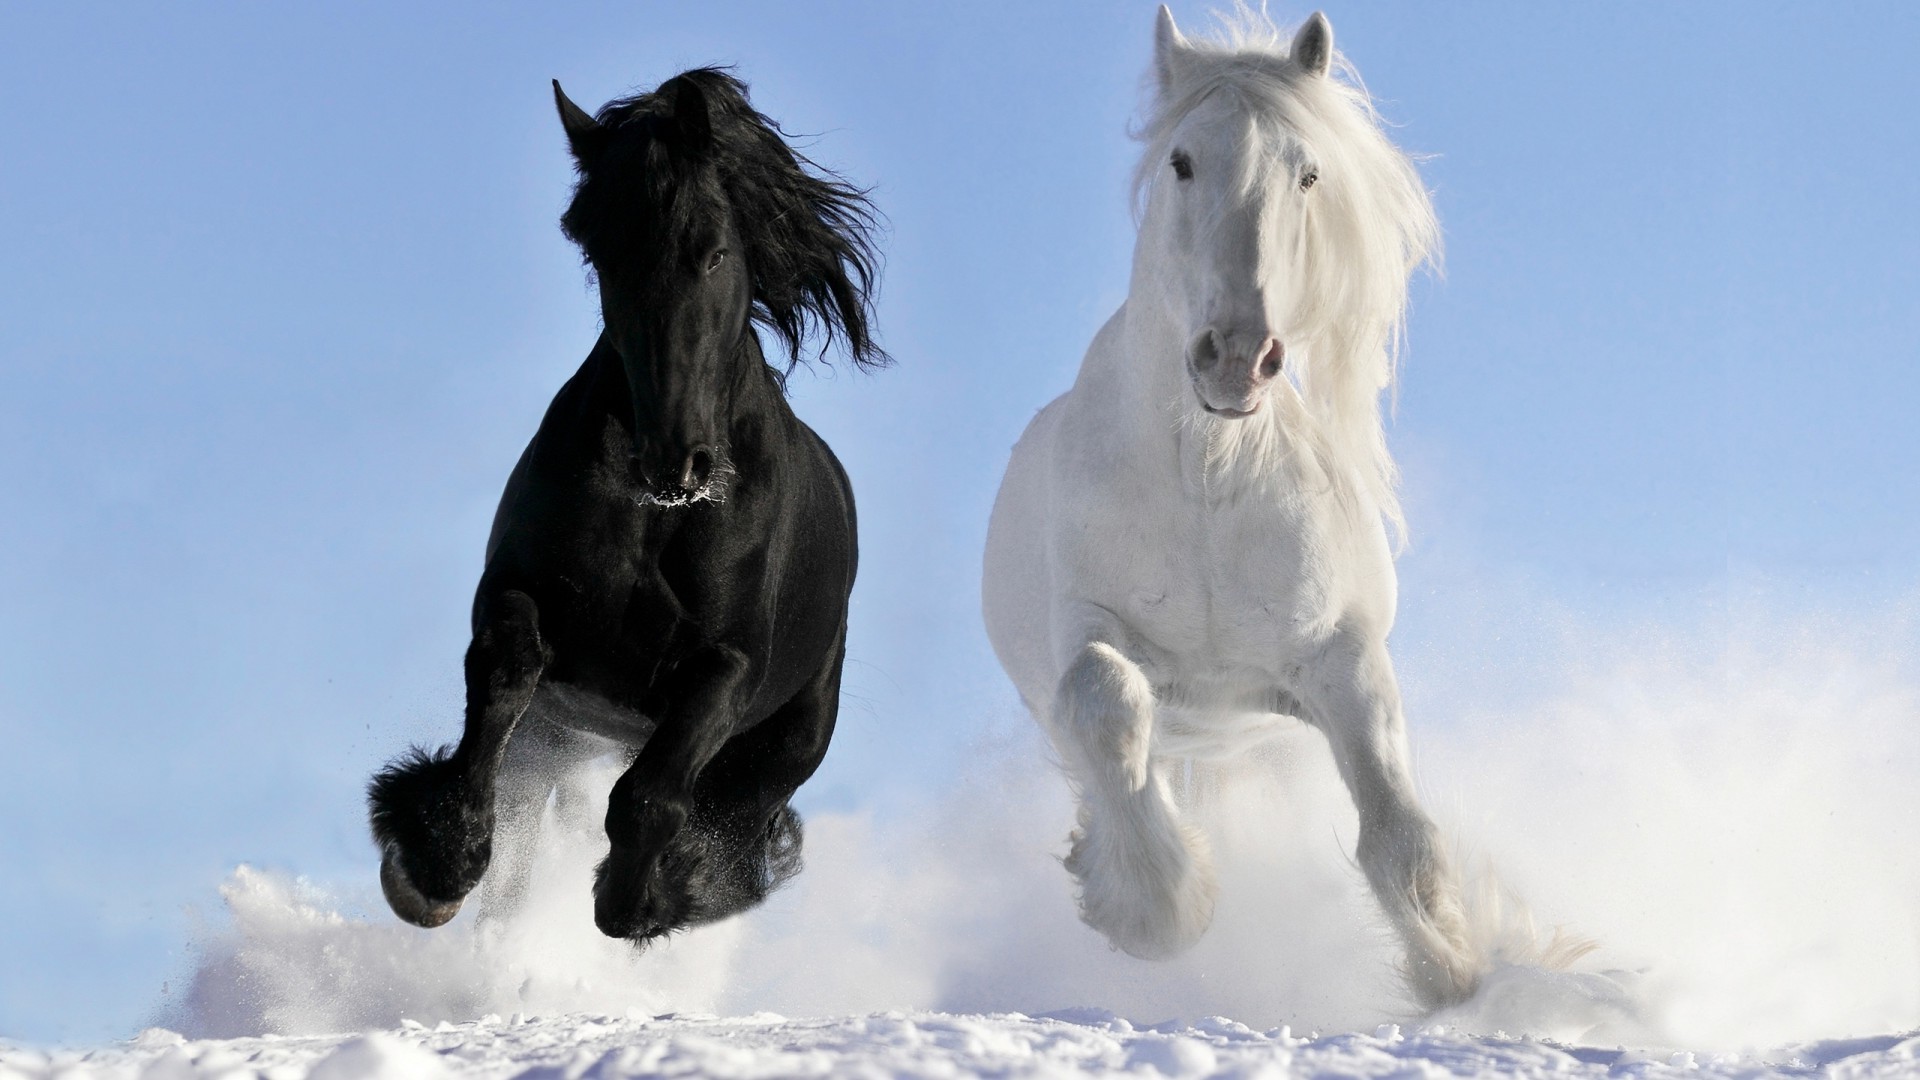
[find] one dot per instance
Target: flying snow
(1727, 825)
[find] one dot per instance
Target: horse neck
(1141, 367)
(760, 395)
(758, 398)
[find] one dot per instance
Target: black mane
(809, 233)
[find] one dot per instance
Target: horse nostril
(1205, 351)
(1271, 358)
(693, 473)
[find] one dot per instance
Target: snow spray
(1729, 822)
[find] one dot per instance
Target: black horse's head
(698, 220)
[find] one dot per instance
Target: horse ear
(1168, 44)
(690, 113)
(583, 131)
(1313, 45)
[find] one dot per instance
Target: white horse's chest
(1254, 584)
(1238, 587)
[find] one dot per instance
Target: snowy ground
(902, 1044)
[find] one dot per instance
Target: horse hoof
(406, 901)
(624, 922)
(1150, 901)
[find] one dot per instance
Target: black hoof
(406, 901)
(628, 925)
(626, 903)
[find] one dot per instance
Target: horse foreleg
(652, 799)
(1354, 698)
(742, 839)
(1146, 879)
(433, 813)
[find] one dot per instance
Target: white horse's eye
(1182, 165)
(1307, 181)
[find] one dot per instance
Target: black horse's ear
(691, 119)
(583, 131)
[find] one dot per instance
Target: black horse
(669, 568)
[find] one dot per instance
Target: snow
(916, 1044)
(1741, 869)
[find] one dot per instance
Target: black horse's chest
(642, 585)
(624, 584)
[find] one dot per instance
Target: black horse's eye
(714, 260)
(1311, 177)
(1182, 165)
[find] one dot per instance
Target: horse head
(651, 216)
(698, 220)
(1277, 222)
(1228, 214)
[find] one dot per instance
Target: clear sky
(282, 297)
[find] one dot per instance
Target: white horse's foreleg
(1146, 881)
(1353, 697)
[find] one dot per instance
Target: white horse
(1192, 543)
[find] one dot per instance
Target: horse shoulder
(789, 518)
(516, 481)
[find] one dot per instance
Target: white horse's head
(1278, 226)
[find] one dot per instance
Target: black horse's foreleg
(742, 839)
(651, 800)
(433, 813)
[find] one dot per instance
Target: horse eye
(714, 260)
(1308, 180)
(1182, 165)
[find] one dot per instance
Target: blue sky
(284, 296)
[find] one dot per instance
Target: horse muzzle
(1248, 409)
(679, 477)
(1231, 372)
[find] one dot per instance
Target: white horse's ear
(1168, 44)
(1313, 45)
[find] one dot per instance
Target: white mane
(1369, 226)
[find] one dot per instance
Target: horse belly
(588, 712)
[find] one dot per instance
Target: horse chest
(1247, 585)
